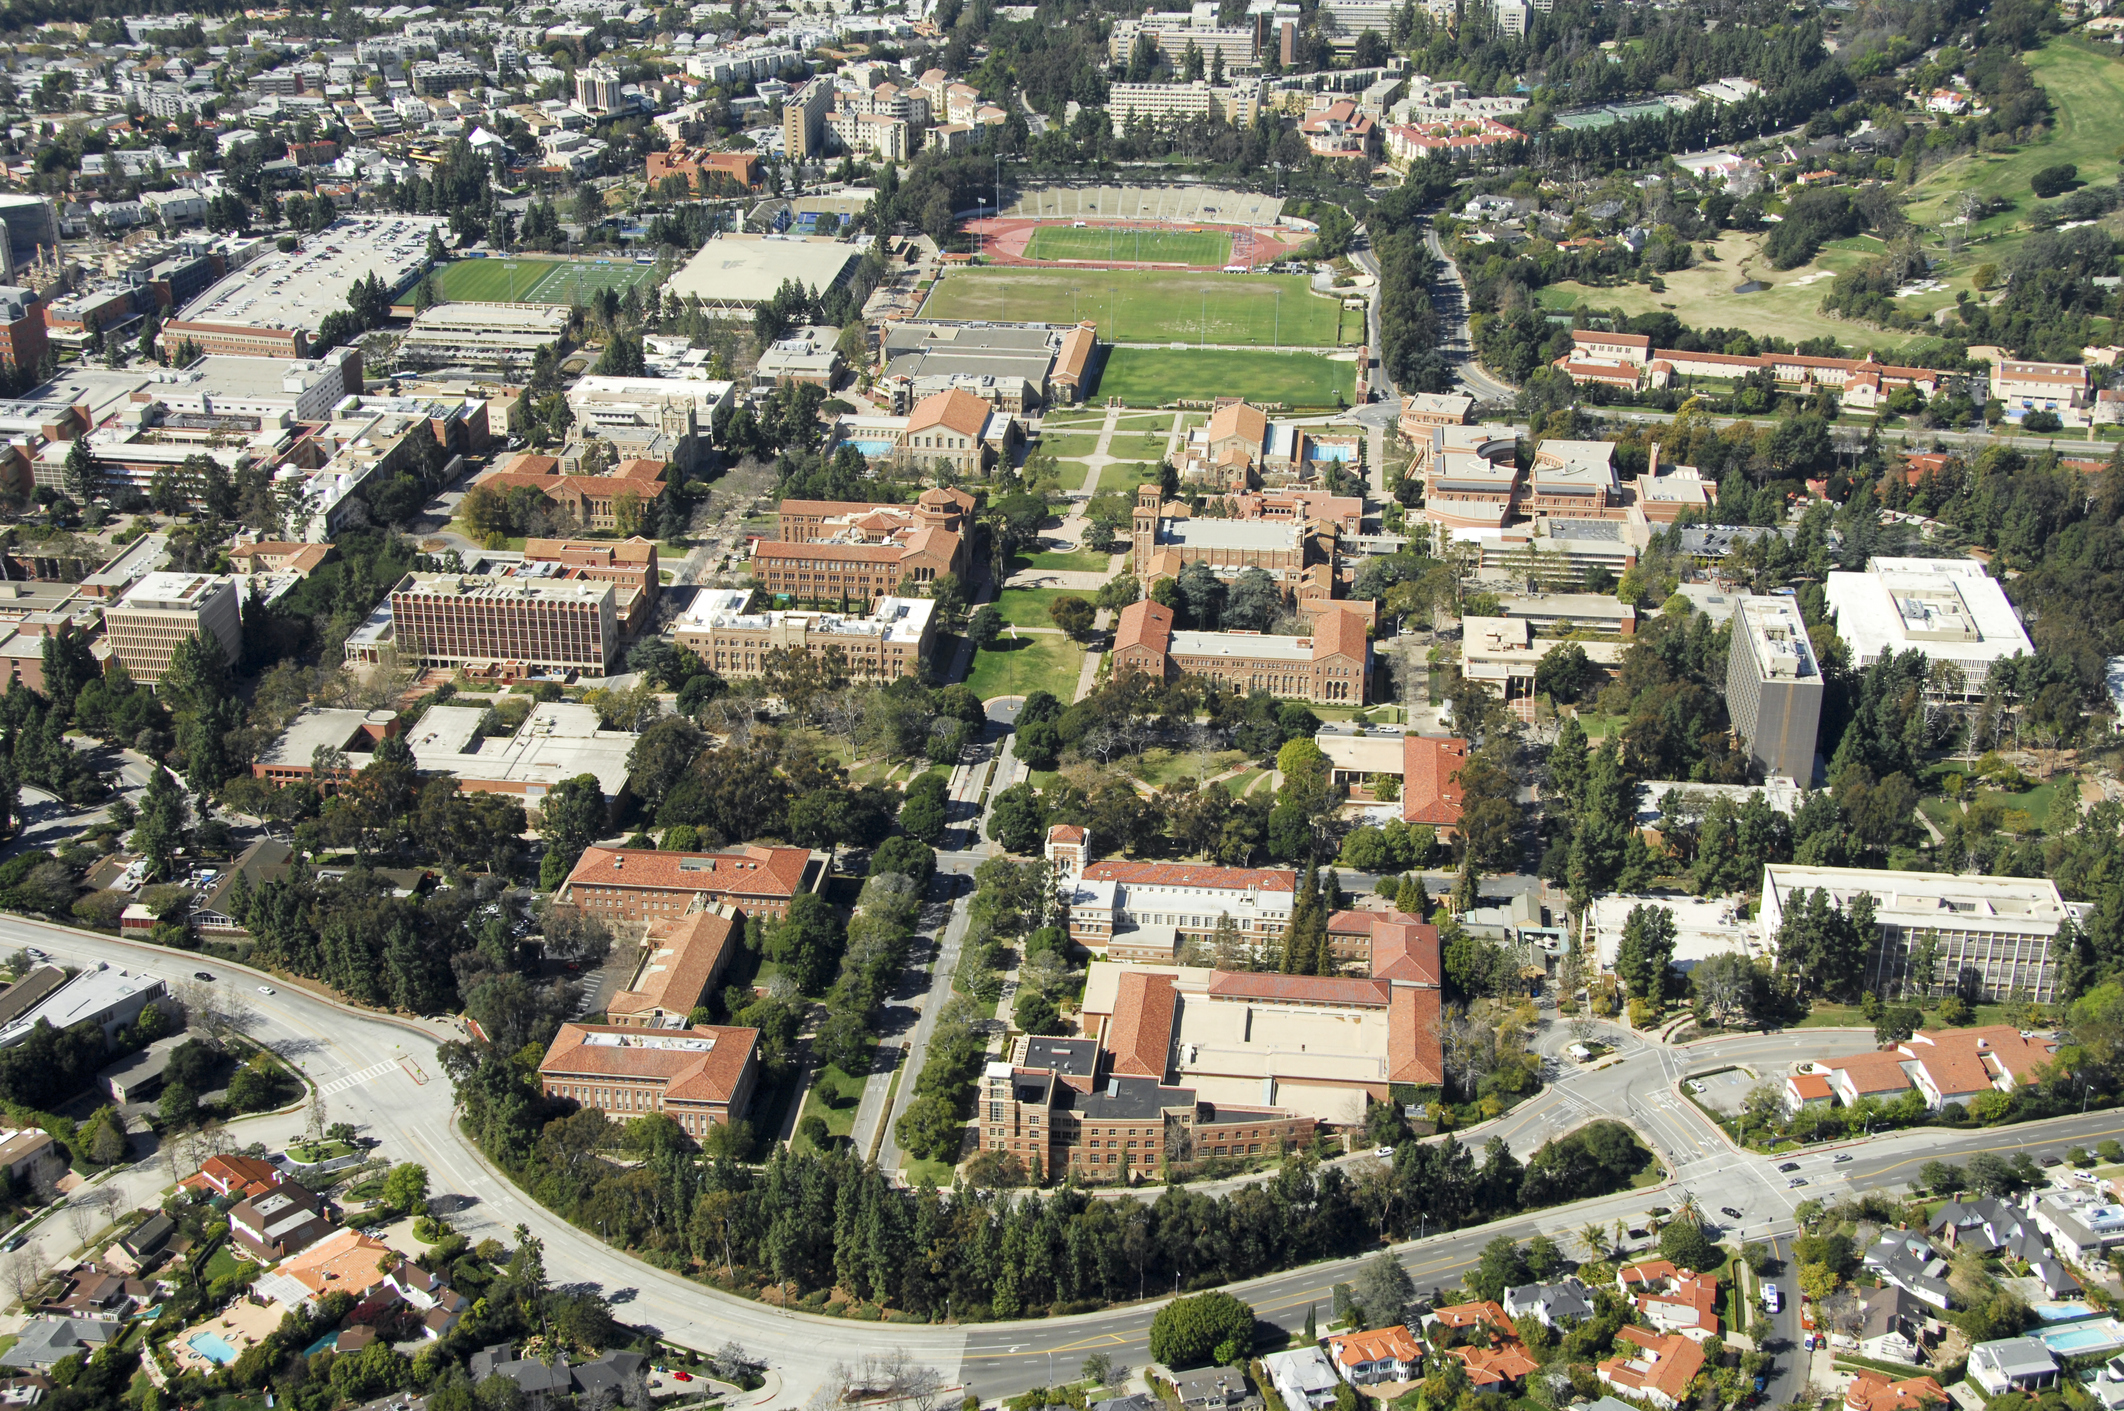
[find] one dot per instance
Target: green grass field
(536, 281)
(1150, 377)
(1702, 296)
(1131, 246)
(1062, 561)
(1152, 306)
(1126, 475)
(1030, 607)
(1038, 661)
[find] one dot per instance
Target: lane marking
(352, 1080)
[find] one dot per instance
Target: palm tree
(1593, 1239)
(1689, 1210)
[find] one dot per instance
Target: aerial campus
(1272, 705)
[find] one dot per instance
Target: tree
(1564, 673)
(405, 1188)
(1187, 1331)
(1018, 819)
(570, 818)
(922, 810)
(1684, 1243)
(2053, 180)
(1383, 1289)
(1646, 951)
(1073, 615)
(984, 626)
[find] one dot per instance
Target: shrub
(2053, 180)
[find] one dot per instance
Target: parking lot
(1722, 1092)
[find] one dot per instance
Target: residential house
(1493, 1357)
(345, 1261)
(1215, 1389)
(1892, 1327)
(1303, 1377)
(2012, 1364)
(1672, 1300)
(1389, 1354)
(45, 1341)
(1874, 1391)
(279, 1222)
(1909, 1263)
(1656, 1369)
(1548, 1304)
(234, 1176)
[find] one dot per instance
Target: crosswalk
(355, 1080)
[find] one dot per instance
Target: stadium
(1129, 227)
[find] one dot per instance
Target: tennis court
(522, 281)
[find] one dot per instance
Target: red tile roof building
(1494, 1358)
(635, 885)
(678, 970)
(1652, 1368)
(1872, 1391)
(1332, 666)
(1387, 945)
(591, 500)
(235, 1176)
(1378, 1355)
(699, 1077)
(1672, 1300)
(1430, 781)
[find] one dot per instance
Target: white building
(163, 609)
(1992, 932)
(106, 996)
(1702, 928)
(1303, 1376)
(1946, 608)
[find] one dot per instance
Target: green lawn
(1074, 561)
(519, 281)
(1152, 306)
(1702, 296)
(1126, 475)
(1130, 245)
(1028, 607)
(1238, 784)
(2086, 93)
(1045, 661)
(1152, 377)
(847, 1092)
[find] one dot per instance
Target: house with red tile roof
(234, 1176)
(647, 885)
(1493, 1356)
(1860, 1075)
(1672, 1300)
(1872, 1391)
(1653, 1367)
(1377, 1355)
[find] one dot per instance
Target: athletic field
(1152, 377)
(1152, 306)
(1130, 245)
(519, 281)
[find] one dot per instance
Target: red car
(682, 1376)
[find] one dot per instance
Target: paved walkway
(1099, 460)
(890, 1157)
(1059, 578)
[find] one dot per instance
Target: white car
(1772, 1299)
(1385, 1153)
(266, 990)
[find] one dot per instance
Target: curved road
(381, 1074)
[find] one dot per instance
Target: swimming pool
(2063, 1311)
(873, 450)
(2082, 1338)
(213, 1347)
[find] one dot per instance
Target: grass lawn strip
(1156, 376)
(1045, 661)
(535, 281)
(1131, 245)
(1078, 561)
(1029, 607)
(1153, 306)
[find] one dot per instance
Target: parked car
(1773, 1301)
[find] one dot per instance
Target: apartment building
(163, 609)
(1990, 936)
(700, 1077)
(2028, 386)
(893, 639)
(1774, 685)
(804, 113)
(637, 885)
(1948, 609)
(1334, 664)
(1236, 103)
(506, 626)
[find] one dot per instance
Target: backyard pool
(2063, 1311)
(2080, 1339)
(213, 1347)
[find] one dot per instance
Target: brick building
(700, 168)
(1063, 1104)
(632, 885)
(840, 552)
(593, 501)
(825, 521)
(700, 1077)
(630, 565)
(1332, 666)
(677, 971)
(513, 626)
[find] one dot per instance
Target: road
(1450, 296)
(1854, 433)
(381, 1074)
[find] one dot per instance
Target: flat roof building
(502, 338)
(892, 640)
(1949, 609)
(501, 626)
(1774, 685)
(273, 305)
(106, 996)
(732, 274)
(1992, 935)
(558, 740)
(163, 609)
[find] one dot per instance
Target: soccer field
(1152, 306)
(1130, 245)
(1151, 377)
(536, 281)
